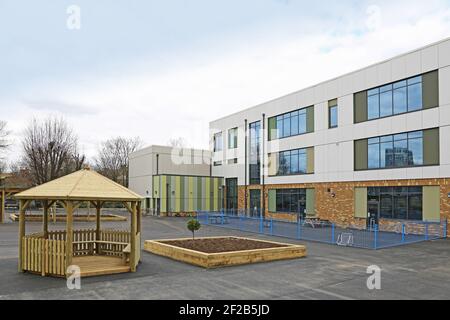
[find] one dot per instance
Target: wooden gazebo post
(23, 204)
(45, 219)
(69, 235)
(133, 237)
(98, 211)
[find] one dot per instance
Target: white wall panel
(430, 58)
(444, 54)
(413, 64)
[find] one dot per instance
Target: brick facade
(335, 201)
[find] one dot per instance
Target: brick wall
(335, 203)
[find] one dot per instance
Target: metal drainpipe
(157, 164)
(263, 166)
(245, 164)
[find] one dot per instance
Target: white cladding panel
(334, 147)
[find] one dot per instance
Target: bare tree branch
(50, 150)
(112, 160)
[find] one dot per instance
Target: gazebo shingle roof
(80, 185)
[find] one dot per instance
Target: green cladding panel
(310, 202)
(431, 147)
(310, 160)
(431, 203)
(273, 128)
(156, 187)
(360, 106)
(207, 194)
(163, 193)
(361, 154)
(360, 203)
(310, 119)
(272, 200)
(430, 89)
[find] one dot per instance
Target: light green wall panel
(208, 193)
(431, 203)
(216, 194)
(310, 119)
(199, 194)
(273, 128)
(156, 187)
(163, 194)
(361, 154)
(172, 195)
(360, 203)
(272, 200)
(431, 147)
(310, 160)
(191, 194)
(430, 89)
(310, 202)
(360, 106)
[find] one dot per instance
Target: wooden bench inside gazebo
(94, 251)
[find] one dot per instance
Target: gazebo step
(100, 265)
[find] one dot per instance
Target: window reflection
(404, 203)
(401, 150)
(400, 97)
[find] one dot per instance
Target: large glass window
(333, 114)
(233, 138)
(292, 162)
(399, 97)
(395, 151)
(291, 200)
(231, 193)
(402, 203)
(291, 123)
(218, 142)
(255, 153)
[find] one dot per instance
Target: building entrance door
(373, 207)
(255, 203)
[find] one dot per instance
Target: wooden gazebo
(95, 251)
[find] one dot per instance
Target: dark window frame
(336, 107)
(392, 191)
(234, 139)
(303, 111)
(392, 90)
(298, 194)
(399, 167)
(216, 140)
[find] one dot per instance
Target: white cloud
(183, 99)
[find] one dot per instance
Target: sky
(162, 70)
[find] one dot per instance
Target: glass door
(255, 203)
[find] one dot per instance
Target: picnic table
(314, 222)
(218, 219)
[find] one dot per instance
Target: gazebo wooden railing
(96, 251)
(47, 256)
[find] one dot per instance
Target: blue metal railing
(326, 232)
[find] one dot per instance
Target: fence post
(375, 238)
(426, 231)
(445, 229)
(332, 233)
(298, 229)
(403, 232)
(271, 226)
(261, 224)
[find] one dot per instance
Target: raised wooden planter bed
(62, 218)
(223, 251)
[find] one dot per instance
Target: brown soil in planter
(222, 245)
